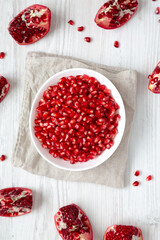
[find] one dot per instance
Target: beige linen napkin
(40, 67)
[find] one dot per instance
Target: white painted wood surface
(140, 50)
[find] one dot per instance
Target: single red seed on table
(2, 158)
(149, 178)
(2, 55)
(116, 44)
(71, 22)
(135, 184)
(157, 11)
(80, 29)
(87, 39)
(137, 173)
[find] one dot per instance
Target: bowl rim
(44, 87)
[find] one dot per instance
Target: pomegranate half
(15, 201)
(30, 25)
(123, 232)
(72, 223)
(115, 13)
(154, 80)
(4, 87)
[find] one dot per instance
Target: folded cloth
(40, 67)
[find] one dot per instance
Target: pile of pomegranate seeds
(116, 44)
(2, 55)
(2, 158)
(77, 119)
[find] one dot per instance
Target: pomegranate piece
(77, 119)
(137, 173)
(123, 232)
(4, 87)
(72, 223)
(71, 22)
(157, 11)
(80, 29)
(30, 25)
(116, 44)
(136, 184)
(115, 13)
(154, 80)
(2, 55)
(15, 202)
(2, 158)
(149, 178)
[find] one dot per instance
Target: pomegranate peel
(154, 80)
(72, 223)
(30, 25)
(115, 13)
(123, 232)
(15, 201)
(4, 87)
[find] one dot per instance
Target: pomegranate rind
(10, 196)
(105, 21)
(154, 86)
(83, 236)
(112, 232)
(4, 87)
(45, 25)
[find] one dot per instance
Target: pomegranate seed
(149, 178)
(116, 44)
(137, 173)
(71, 22)
(87, 39)
(2, 55)
(80, 29)
(135, 184)
(2, 158)
(157, 11)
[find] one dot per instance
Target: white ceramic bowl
(58, 162)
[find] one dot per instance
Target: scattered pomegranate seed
(2, 55)
(135, 184)
(2, 158)
(149, 178)
(116, 44)
(71, 22)
(137, 173)
(80, 29)
(157, 11)
(87, 39)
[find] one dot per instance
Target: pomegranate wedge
(30, 25)
(4, 87)
(15, 202)
(115, 13)
(123, 232)
(72, 223)
(154, 80)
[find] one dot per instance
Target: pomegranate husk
(154, 80)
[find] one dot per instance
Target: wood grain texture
(140, 50)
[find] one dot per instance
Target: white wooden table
(139, 49)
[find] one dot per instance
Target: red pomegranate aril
(149, 178)
(137, 173)
(157, 11)
(71, 22)
(135, 184)
(87, 39)
(2, 55)
(80, 29)
(2, 158)
(116, 44)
